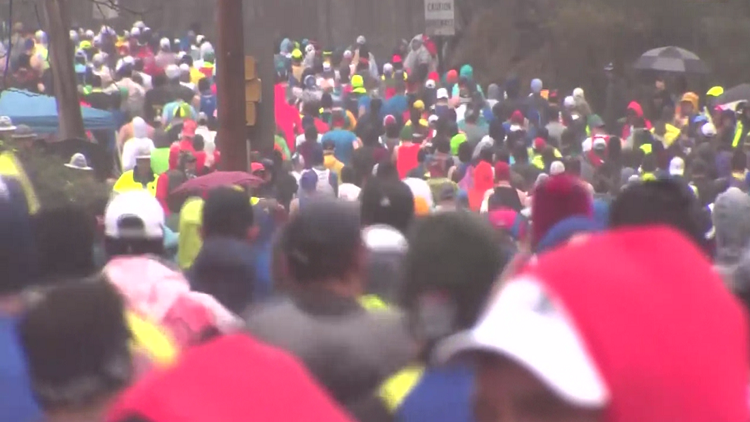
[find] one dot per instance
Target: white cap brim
(525, 325)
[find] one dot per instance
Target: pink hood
(164, 296)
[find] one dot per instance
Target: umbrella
(734, 95)
(203, 184)
(671, 59)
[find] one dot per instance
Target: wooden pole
(230, 71)
(261, 34)
(63, 72)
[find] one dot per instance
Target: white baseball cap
(677, 167)
(527, 325)
(134, 215)
(557, 167)
(442, 94)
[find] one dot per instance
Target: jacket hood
(494, 92)
(417, 39)
(692, 98)
(225, 270)
(466, 72)
(651, 350)
(637, 109)
(731, 216)
(161, 293)
(140, 128)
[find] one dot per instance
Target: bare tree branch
(140, 13)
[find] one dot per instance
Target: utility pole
(63, 72)
(230, 71)
(261, 34)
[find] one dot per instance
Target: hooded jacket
(636, 108)
(225, 270)
(348, 349)
(419, 56)
(386, 249)
(154, 290)
(731, 217)
(136, 145)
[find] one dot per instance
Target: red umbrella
(203, 184)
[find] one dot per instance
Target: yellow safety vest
(395, 389)
(738, 131)
(127, 183)
(373, 303)
(11, 167)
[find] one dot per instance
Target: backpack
(467, 181)
(208, 104)
(324, 182)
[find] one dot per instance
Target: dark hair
(329, 145)
(503, 155)
(326, 101)
(204, 84)
(387, 201)
(739, 160)
(322, 241)
(663, 201)
(198, 143)
(227, 213)
(465, 152)
(442, 144)
(520, 154)
(421, 155)
(188, 60)
(387, 171)
(376, 104)
(311, 133)
(456, 255)
(347, 175)
(114, 246)
(158, 80)
(136, 77)
(486, 155)
(77, 331)
(65, 239)
(572, 166)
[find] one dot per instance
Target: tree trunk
(63, 72)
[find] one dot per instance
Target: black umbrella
(671, 59)
(736, 94)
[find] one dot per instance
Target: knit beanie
(556, 199)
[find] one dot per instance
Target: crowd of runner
(416, 247)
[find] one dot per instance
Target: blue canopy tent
(39, 112)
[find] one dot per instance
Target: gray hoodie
(731, 218)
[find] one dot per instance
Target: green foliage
(57, 185)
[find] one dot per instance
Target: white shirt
(349, 192)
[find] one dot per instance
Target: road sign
(439, 17)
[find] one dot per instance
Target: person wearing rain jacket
(466, 73)
(634, 118)
(419, 54)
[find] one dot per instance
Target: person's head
(134, 225)
(486, 155)
(311, 133)
(65, 239)
(392, 128)
(556, 199)
(688, 104)
(442, 144)
(76, 341)
(204, 85)
(451, 264)
(520, 154)
(143, 162)
(347, 175)
(187, 162)
(158, 80)
(187, 59)
(664, 201)
(465, 152)
(228, 213)
(572, 166)
(739, 161)
(322, 246)
(387, 201)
